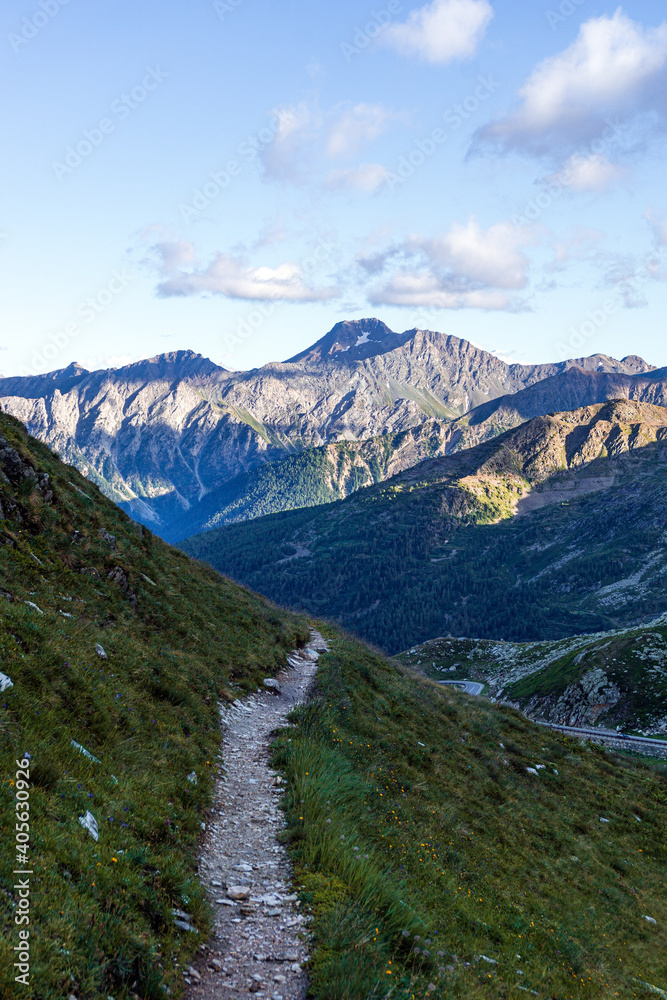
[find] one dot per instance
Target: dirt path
(259, 941)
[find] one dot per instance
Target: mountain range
(173, 439)
(554, 528)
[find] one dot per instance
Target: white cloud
(295, 130)
(658, 224)
(490, 256)
(628, 277)
(234, 278)
(615, 66)
(367, 177)
(469, 267)
(355, 128)
(411, 289)
(588, 173)
(306, 141)
(441, 31)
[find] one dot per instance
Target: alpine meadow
(333, 501)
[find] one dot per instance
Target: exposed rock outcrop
(582, 704)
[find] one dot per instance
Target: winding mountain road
(470, 687)
(642, 744)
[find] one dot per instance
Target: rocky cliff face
(159, 435)
(581, 704)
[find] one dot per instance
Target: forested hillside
(554, 529)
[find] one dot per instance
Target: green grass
(535, 675)
(412, 827)
(101, 920)
(457, 842)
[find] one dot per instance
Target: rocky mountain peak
(352, 340)
(169, 366)
(636, 364)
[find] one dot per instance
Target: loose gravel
(260, 939)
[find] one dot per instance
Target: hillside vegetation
(314, 476)
(76, 574)
(553, 529)
(415, 825)
(615, 679)
(450, 848)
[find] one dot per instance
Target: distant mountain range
(554, 528)
(174, 439)
(334, 471)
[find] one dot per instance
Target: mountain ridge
(331, 472)
(554, 528)
(159, 435)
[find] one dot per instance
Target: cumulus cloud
(469, 267)
(368, 177)
(440, 32)
(615, 67)
(594, 172)
(306, 141)
(490, 256)
(233, 277)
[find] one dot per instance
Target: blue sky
(236, 176)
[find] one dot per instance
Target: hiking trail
(259, 940)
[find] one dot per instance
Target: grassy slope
(102, 920)
(465, 850)
(438, 550)
(414, 824)
(535, 675)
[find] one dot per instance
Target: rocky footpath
(260, 938)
